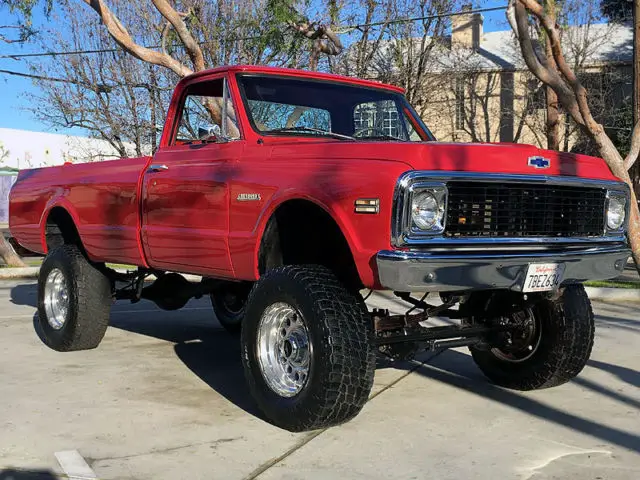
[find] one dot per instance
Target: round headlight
(425, 210)
(616, 212)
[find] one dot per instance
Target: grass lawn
(613, 284)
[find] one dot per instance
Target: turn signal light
(367, 205)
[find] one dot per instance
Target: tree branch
(634, 150)
(164, 36)
(329, 43)
(517, 13)
(580, 93)
(176, 19)
(122, 37)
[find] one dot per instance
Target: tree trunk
(553, 115)
(9, 255)
(615, 162)
(553, 120)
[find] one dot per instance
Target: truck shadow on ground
(457, 370)
(16, 474)
(25, 294)
(210, 352)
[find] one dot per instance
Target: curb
(617, 295)
(17, 273)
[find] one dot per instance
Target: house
(485, 91)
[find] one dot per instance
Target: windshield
(306, 107)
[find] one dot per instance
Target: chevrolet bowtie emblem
(539, 162)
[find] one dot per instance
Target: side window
(207, 115)
(275, 116)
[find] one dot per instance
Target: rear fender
(54, 202)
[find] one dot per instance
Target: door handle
(157, 168)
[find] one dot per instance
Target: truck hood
(506, 158)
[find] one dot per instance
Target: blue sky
(13, 89)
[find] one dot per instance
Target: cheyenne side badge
(248, 197)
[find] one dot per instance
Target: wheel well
(60, 229)
(301, 232)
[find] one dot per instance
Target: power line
(427, 17)
(344, 29)
(55, 54)
(97, 87)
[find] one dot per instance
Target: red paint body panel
(188, 218)
(185, 209)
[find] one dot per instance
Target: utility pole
(636, 61)
(634, 173)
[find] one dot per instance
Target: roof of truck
(290, 72)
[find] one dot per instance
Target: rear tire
(323, 334)
(229, 303)
(562, 349)
(74, 301)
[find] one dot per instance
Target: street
(163, 397)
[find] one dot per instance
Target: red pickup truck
(291, 193)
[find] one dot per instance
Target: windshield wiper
(311, 130)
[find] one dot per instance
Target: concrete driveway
(164, 397)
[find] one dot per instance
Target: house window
(459, 114)
(537, 94)
(381, 116)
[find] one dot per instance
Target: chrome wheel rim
(56, 299)
(284, 350)
(525, 341)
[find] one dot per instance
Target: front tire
(307, 348)
(74, 301)
(560, 347)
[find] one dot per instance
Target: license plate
(542, 277)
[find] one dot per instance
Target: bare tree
(109, 94)
(408, 57)
(21, 30)
(368, 39)
(573, 97)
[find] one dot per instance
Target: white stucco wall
(25, 149)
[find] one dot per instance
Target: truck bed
(110, 233)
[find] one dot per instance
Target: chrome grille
(489, 209)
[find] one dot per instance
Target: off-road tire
(230, 318)
(341, 337)
(90, 301)
(568, 329)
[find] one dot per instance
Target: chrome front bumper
(423, 271)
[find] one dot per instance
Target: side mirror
(211, 133)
